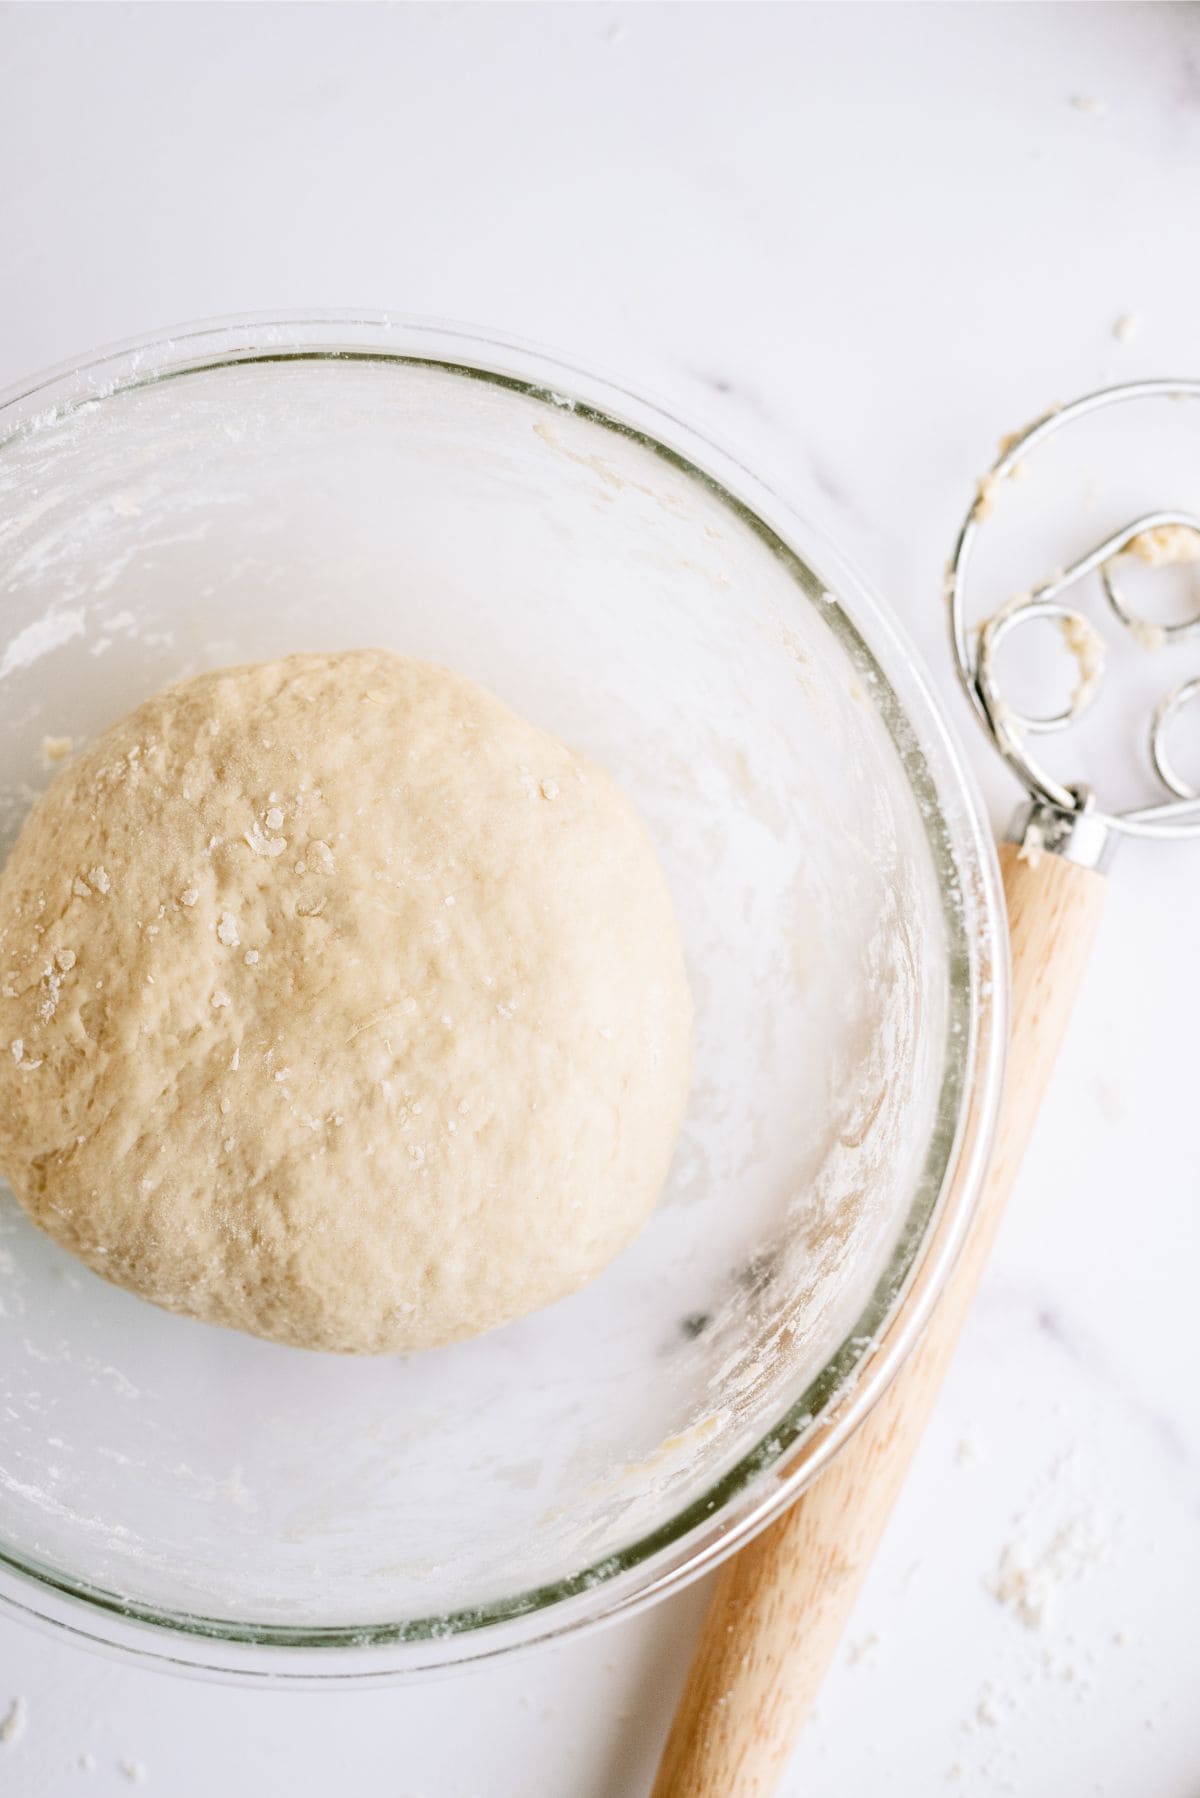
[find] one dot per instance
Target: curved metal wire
(1176, 816)
(1164, 716)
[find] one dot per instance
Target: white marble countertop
(857, 242)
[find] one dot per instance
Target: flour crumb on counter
(866, 1649)
(12, 1728)
(967, 1452)
(86, 1763)
(134, 1771)
(1089, 104)
(1028, 1581)
(1127, 327)
(987, 1711)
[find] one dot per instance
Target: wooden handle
(781, 1605)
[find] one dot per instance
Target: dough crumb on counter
(13, 1726)
(866, 1649)
(56, 749)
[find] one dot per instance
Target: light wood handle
(781, 1605)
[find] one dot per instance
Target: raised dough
(340, 1005)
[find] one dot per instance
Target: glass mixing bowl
(246, 489)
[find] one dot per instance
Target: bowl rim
(771, 1475)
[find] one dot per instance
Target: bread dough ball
(339, 1005)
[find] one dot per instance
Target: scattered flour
(987, 1711)
(1029, 1579)
(38, 639)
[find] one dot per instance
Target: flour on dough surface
(339, 1005)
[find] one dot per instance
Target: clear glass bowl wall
(250, 490)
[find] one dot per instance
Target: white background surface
(858, 243)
